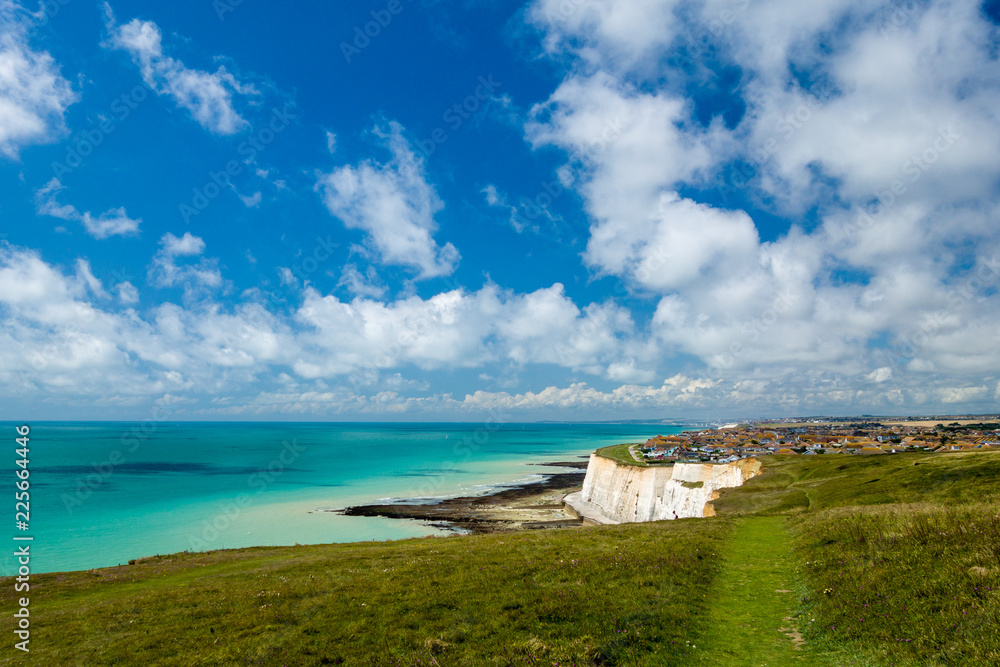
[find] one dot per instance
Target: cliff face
(626, 494)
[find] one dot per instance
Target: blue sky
(559, 209)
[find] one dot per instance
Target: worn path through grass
(753, 600)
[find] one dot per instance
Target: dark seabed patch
(160, 467)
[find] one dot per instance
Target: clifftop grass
(621, 454)
(795, 484)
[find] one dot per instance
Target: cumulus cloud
(675, 391)
(864, 279)
(605, 32)
(324, 338)
(627, 143)
(113, 222)
(61, 336)
(33, 93)
(393, 204)
(358, 357)
(210, 97)
(879, 129)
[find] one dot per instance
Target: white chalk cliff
(620, 493)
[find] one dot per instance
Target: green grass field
(620, 454)
(826, 560)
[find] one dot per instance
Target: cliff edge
(617, 493)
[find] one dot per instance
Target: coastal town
(809, 438)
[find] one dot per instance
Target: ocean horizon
(104, 493)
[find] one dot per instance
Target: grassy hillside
(794, 484)
(607, 596)
(887, 560)
(900, 555)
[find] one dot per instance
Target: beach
(526, 506)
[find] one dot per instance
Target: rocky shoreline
(527, 506)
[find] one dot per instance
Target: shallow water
(106, 492)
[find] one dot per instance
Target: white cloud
(252, 201)
(629, 371)
(941, 61)
(922, 117)
(492, 197)
(458, 329)
(962, 394)
(842, 109)
(165, 271)
(363, 336)
(545, 326)
(113, 222)
(358, 284)
(881, 374)
(33, 93)
(188, 244)
(210, 97)
(497, 199)
(286, 276)
(683, 242)
(394, 205)
(127, 293)
(87, 277)
(678, 390)
(605, 32)
(61, 337)
(629, 147)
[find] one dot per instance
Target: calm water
(103, 493)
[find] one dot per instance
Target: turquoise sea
(106, 492)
